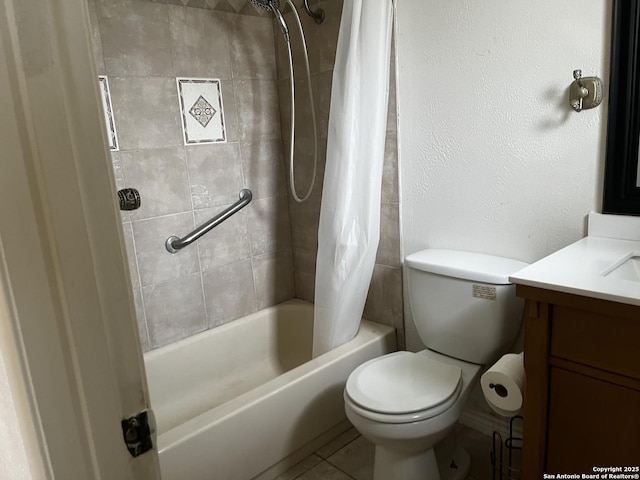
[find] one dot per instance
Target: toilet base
(455, 467)
(390, 465)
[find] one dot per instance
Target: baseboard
(488, 423)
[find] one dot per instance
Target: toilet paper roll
(503, 384)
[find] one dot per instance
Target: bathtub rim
(221, 329)
(369, 332)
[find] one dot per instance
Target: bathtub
(232, 402)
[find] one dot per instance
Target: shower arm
(174, 244)
(318, 15)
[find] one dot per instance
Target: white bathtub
(233, 401)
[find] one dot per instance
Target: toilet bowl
(466, 314)
(405, 403)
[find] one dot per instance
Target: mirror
(622, 175)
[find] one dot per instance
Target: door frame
(63, 261)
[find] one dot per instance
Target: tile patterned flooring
(350, 457)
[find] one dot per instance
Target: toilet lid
(402, 382)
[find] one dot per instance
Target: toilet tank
(462, 303)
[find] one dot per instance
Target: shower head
(266, 4)
(273, 5)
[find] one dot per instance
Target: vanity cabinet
(582, 394)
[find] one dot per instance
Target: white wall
(492, 158)
(20, 459)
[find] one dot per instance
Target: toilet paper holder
(501, 390)
(512, 470)
(503, 385)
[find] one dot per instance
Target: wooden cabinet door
(591, 423)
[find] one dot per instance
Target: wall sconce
(584, 93)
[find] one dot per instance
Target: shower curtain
(350, 213)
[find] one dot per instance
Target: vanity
(582, 352)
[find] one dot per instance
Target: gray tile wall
(384, 303)
(252, 260)
(244, 264)
(243, 7)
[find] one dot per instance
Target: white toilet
(467, 315)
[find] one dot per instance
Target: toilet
(467, 315)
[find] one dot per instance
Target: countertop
(580, 267)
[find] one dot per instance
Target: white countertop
(580, 268)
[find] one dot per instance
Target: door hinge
(137, 433)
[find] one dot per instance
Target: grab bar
(174, 243)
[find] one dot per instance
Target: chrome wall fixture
(174, 244)
(129, 199)
(584, 93)
(318, 15)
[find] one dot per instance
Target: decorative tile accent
(108, 113)
(201, 110)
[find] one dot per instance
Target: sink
(627, 268)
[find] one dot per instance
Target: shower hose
(292, 182)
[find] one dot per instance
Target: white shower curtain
(350, 212)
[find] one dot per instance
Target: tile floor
(350, 457)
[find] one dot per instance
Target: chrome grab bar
(174, 243)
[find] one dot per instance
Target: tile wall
(243, 7)
(244, 264)
(384, 304)
(266, 253)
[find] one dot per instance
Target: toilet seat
(403, 387)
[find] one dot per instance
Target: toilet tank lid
(476, 267)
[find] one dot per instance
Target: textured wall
(245, 263)
(384, 303)
(20, 453)
(493, 159)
